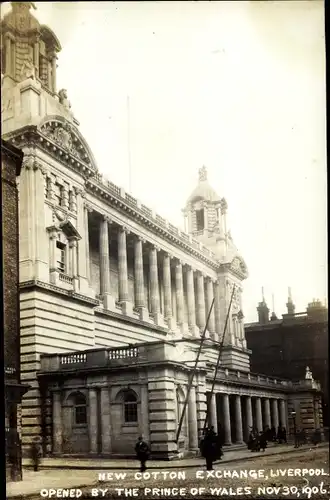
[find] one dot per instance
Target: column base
(84, 287)
(126, 308)
(171, 323)
(159, 319)
(109, 302)
(184, 328)
(42, 271)
(194, 331)
(144, 314)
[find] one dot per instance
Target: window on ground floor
(130, 408)
(80, 409)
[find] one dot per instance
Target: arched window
(80, 409)
(130, 408)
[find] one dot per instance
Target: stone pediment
(66, 227)
(68, 138)
(239, 266)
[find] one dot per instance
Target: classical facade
(113, 296)
(284, 347)
(11, 160)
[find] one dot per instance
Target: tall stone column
(105, 420)
(192, 420)
(258, 415)
(179, 293)
(249, 417)
(83, 232)
(57, 422)
(105, 288)
(93, 421)
(217, 312)
(154, 285)
(209, 300)
(168, 315)
(140, 300)
(87, 210)
(73, 255)
(238, 420)
(226, 419)
(283, 413)
(144, 412)
(267, 413)
(127, 307)
(275, 413)
(213, 419)
(200, 313)
(191, 301)
(41, 249)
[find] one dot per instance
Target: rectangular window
(80, 415)
(60, 257)
(130, 412)
(200, 220)
(58, 194)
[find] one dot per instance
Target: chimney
(290, 305)
(263, 311)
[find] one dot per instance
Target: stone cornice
(31, 135)
(136, 321)
(59, 291)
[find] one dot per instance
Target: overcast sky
(236, 86)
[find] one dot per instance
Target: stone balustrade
(144, 210)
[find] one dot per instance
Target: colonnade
(193, 290)
(235, 415)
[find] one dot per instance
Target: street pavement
(55, 472)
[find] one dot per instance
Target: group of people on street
(210, 445)
(258, 440)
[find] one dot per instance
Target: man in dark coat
(142, 451)
(210, 448)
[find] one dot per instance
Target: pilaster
(192, 420)
(105, 420)
(57, 422)
(93, 421)
(209, 300)
(83, 244)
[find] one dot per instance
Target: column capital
(154, 247)
(124, 229)
(168, 255)
(80, 191)
(140, 238)
(106, 218)
(89, 208)
(178, 262)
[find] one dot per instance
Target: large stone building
(284, 347)
(11, 160)
(113, 296)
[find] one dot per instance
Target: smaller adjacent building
(11, 161)
(285, 347)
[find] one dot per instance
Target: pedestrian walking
(210, 448)
(142, 451)
(35, 453)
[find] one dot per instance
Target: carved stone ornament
(28, 69)
(63, 98)
(63, 135)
